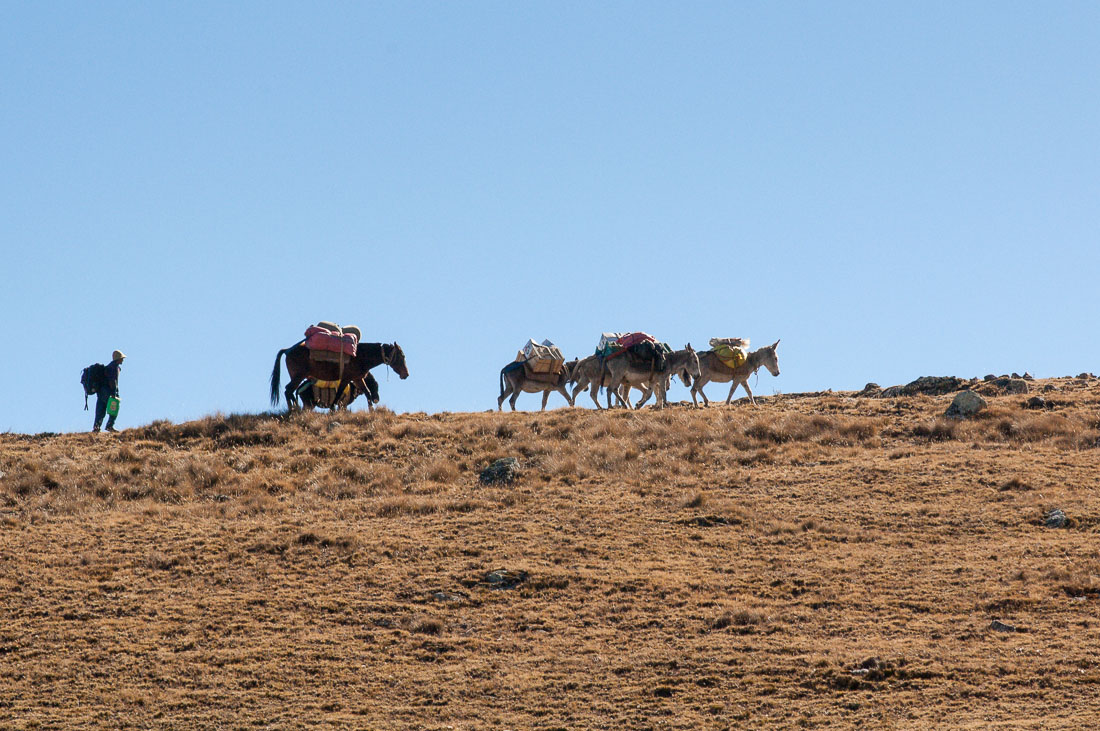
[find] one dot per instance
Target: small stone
(965, 405)
(502, 472)
(1027, 376)
(1000, 626)
(1056, 518)
(1085, 376)
(1035, 402)
(989, 377)
(1048, 388)
(1015, 374)
(1016, 386)
(448, 596)
(505, 579)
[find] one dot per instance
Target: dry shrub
(258, 503)
(427, 626)
(205, 473)
(302, 464)
(335, 487)
(405, 505)
(697, 500)
(384, 479)
(351, 469)
(607, 456)
(565, 467)
(738, 618)
(831, 430)
(780, 527)
(389, 446)
(1039, 427)
(442, 471)
(29, 482)
(760, 456)
(939, 430)
(342, 543)
(159, 561)
(417, 430)
(1077, 581)
(463, 505)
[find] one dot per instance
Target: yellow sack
(731, 357)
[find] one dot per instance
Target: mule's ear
(775, 344)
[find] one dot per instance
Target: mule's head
(771, 361)
(394, 357)
(692, 367)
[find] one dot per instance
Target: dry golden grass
(819, 561)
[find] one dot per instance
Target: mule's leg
(749, 392)
(291, 392)
(613, 387)
(577, 388)
(508, 388)
(545, 398)
(594, 392)
(697, 388)
(564, 392)
(646, 393)
(733, 387)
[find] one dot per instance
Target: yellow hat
(117, 355)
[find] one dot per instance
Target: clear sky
(894, 189)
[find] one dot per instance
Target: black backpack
(92, 378)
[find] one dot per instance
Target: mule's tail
(502, 380)
(275, 377)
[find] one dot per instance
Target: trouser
(101, 397)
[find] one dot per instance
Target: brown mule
(300, 367)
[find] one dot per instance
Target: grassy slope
(727, 567)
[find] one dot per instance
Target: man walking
(108, 388)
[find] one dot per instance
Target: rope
(387, 361)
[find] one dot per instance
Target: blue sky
(895, 190)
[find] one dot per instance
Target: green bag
(112, 406)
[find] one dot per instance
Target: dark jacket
(110, 376)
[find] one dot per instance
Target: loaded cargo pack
(730, 351)
(544, 357)
(614, 344)
(331, 343)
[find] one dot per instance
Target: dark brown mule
(300, 367)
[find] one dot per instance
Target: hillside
(816, 561)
